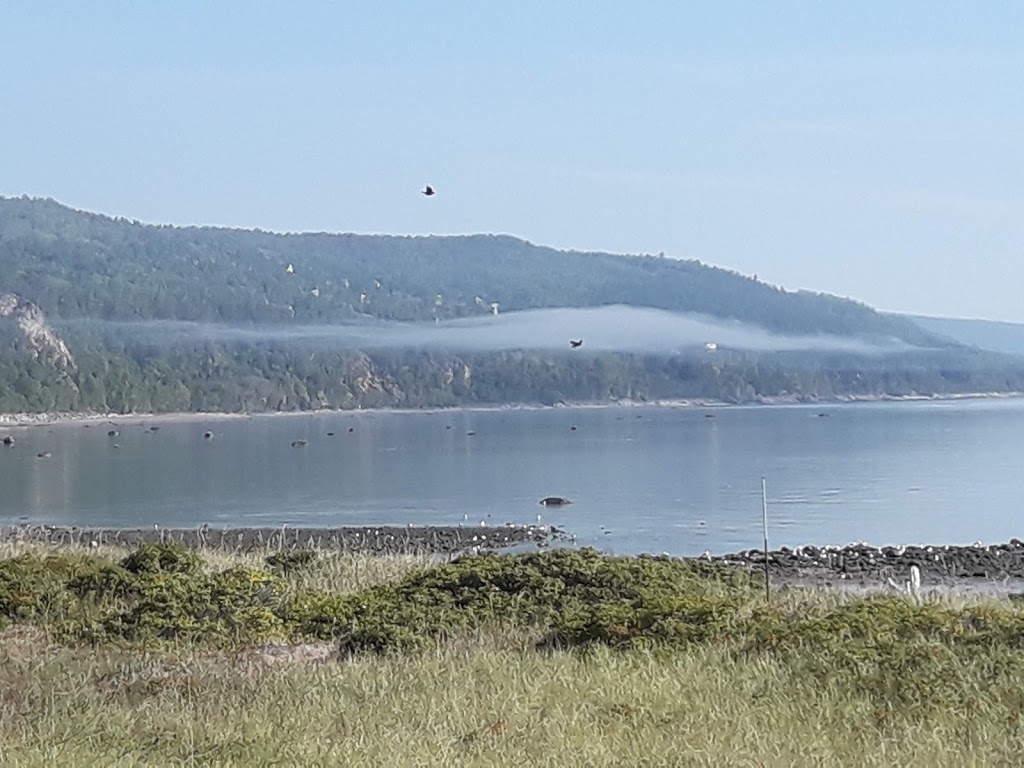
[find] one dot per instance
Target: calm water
(642, 479)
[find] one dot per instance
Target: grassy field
(561, 658)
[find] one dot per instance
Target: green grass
(559, 658)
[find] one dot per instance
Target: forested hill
(76, 264)
(64, 272)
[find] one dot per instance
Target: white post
(764, 519)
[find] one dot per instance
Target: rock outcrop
(41, 339)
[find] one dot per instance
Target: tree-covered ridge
(134, 377)
(77, 264)
(77, 270)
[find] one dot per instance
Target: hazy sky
(868, 149)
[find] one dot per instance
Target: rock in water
(554, 501)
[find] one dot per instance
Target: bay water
(676, 479)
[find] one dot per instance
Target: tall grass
(817, 679)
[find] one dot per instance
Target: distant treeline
(261, 377)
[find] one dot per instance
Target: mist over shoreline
(612, 328)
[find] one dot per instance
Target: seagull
(575, 343)
(427, 191)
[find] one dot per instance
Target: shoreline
(976, 570)
(984, 570)
(371, 540)
(59, 418)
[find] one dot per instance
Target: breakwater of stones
(378, 540)
(861, 561)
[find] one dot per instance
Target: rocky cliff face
(40, 338)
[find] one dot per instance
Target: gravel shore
(993, 569)
(379, 540)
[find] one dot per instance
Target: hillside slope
(106, 314)
(77, 264)
(1007, 338)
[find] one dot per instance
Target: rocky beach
(994, 569)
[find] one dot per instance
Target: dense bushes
(162, 593)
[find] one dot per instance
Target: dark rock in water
(554, 501)
(154, 429)
(8, 440)
(330, 434)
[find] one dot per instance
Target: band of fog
(615, 328)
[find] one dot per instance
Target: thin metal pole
(764, 518)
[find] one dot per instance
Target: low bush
(162, 593)
(292, 561)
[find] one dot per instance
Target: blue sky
(868, 149)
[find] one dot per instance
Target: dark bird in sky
(575, 343)
(427, 190)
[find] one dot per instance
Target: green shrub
(34, 588)
(163, 557)
(583, 596)
(103, 581)
(319, 615)
(571, 599)
(291, 562)
(218, 608)
(669, 622)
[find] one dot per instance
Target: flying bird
(575, 343)
(427, 191)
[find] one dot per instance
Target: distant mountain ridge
(78, 264)
(108, 314)
(992, 335)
